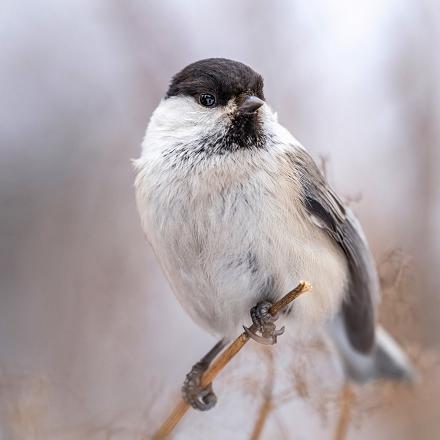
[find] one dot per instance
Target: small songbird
(237, 213)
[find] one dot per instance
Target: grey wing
(327, 211)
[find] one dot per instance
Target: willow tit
(237, 213)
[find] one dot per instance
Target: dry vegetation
(25, 399)
(84, 353)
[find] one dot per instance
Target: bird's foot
(263, 322)
(199, 398)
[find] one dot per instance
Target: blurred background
(93, 344)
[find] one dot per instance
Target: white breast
(232, 232)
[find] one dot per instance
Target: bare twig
(266, 406)
(324, 160)
(223, 359)
(347, 400)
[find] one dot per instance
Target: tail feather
(386, 360)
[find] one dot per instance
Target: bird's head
(213, 106)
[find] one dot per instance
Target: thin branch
(324, 160)
(347, 400)
(284, 397)
(266, 406)
(223, 359)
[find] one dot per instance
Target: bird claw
(264, 323)
(265, 340)
(199, 398)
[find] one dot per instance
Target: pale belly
(223, 253)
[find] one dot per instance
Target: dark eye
(207, 100)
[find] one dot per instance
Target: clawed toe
(199, 398)
(264, 323)
(260, 314)
(264, 339)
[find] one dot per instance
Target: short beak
(250, 105)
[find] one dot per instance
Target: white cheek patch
(184, 112)
(182, 119)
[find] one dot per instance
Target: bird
(237, 213)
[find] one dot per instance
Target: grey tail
(385, 361)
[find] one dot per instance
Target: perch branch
(222, 360)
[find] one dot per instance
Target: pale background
(92, 343)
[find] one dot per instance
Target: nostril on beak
(250, 105)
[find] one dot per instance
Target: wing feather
(322, 203)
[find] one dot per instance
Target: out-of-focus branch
(223, 359)
(346, 402)
(266, 406)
